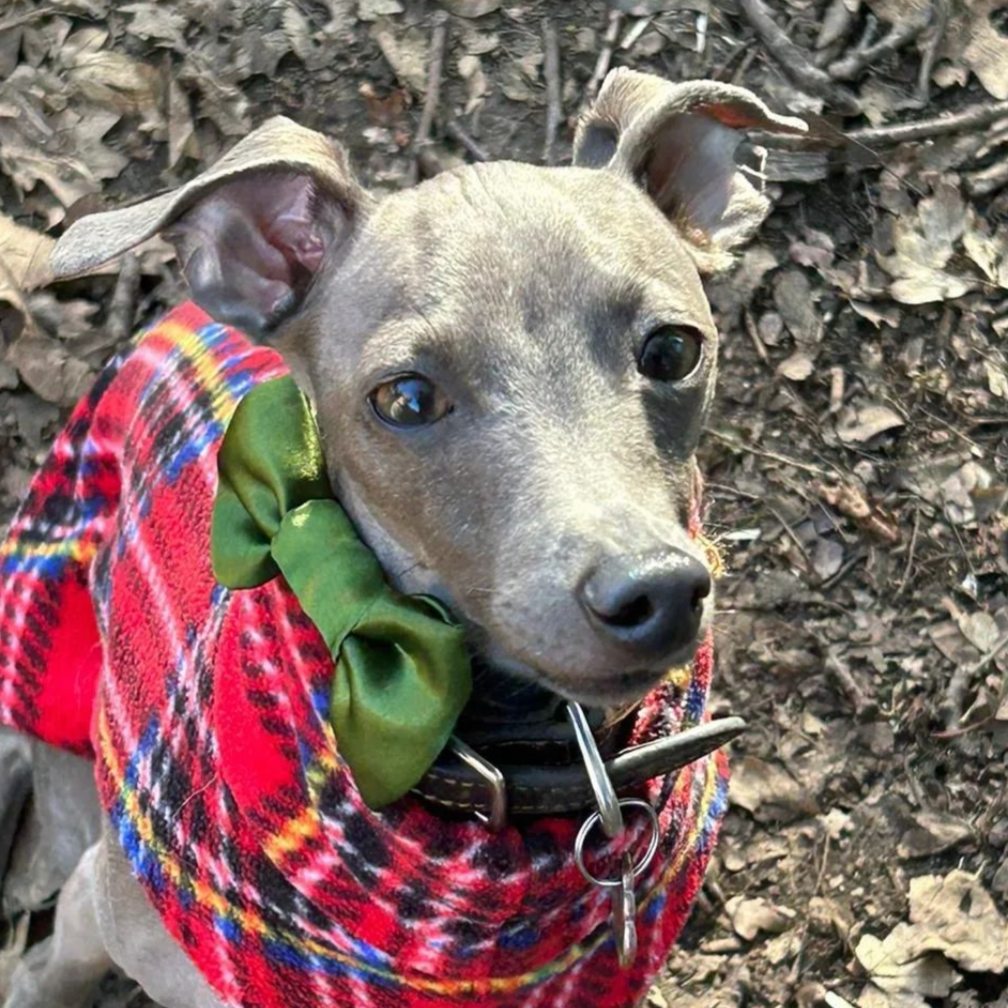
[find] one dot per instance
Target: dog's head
(511, 365)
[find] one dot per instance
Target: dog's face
(511, 371)
(511, 368)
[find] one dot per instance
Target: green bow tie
(402, 672)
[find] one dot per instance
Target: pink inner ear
(250, 249)
(295, 229)
(735, 116)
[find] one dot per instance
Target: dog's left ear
(678, 142)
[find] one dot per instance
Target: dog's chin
(617, 690)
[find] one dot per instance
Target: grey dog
(516, 363)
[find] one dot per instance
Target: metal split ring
(640, 867)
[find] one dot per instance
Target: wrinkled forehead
(523, 239)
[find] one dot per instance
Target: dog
(510, 368)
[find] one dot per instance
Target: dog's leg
(62, 822)
(137, 940)
(15, 786)
(64, 971)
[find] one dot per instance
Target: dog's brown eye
(409, 401)
(670, 353)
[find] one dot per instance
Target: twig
(848, 67)
(604, 58)
(794, 62)
(122, 307)
(987, 180)
(939, 21)
(635, 31)
(454, 129)
(973, 117)
(750, 328)
(741, 447)
(864, 706)
(901, 587)
(438, 44)
(554, 97)
(999, 645)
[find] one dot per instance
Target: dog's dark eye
(409, 401)
(670, 353)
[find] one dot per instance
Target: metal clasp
(497, 819)
(610, 817)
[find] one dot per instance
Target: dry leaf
(971, 38)
(374, 10)
(957, 916)
(48, 369)
(768, 791)
(406, 51)
(751, 916)
(24, 255)
(933, 833)
(470, 69)
(869, 422)
(156, 22)
(797, 367)
(897, 964)
(923, 245)
(471, 8)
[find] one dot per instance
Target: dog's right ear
(251, 233)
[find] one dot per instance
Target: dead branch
(122, 308)
(604, 57)
(987, 180)
(554, 96)
(432, 98)
(455, 130)
(939, 21)
(850, 66)
(794, 62)
(973, 117)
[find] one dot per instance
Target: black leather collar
(522, 731)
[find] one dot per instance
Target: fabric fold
(402, 670)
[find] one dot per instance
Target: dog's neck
(504, 710)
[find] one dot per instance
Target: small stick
(122, 307)
(794, 62)
(939, 21)
(741, 447)
(554, 97)
(753, 332)
(971, 117)
(987, 180)
(439, 42)
(454, 129)
(604, 57)
(848, 67)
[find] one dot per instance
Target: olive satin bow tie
(402, 672)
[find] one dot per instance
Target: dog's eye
(409, 401)
(670, 353)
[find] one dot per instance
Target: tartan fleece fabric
(205, 712)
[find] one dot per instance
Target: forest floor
(857, 461)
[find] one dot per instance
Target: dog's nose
(651, 603)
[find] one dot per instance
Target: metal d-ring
(495, 779)
(609, 813)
